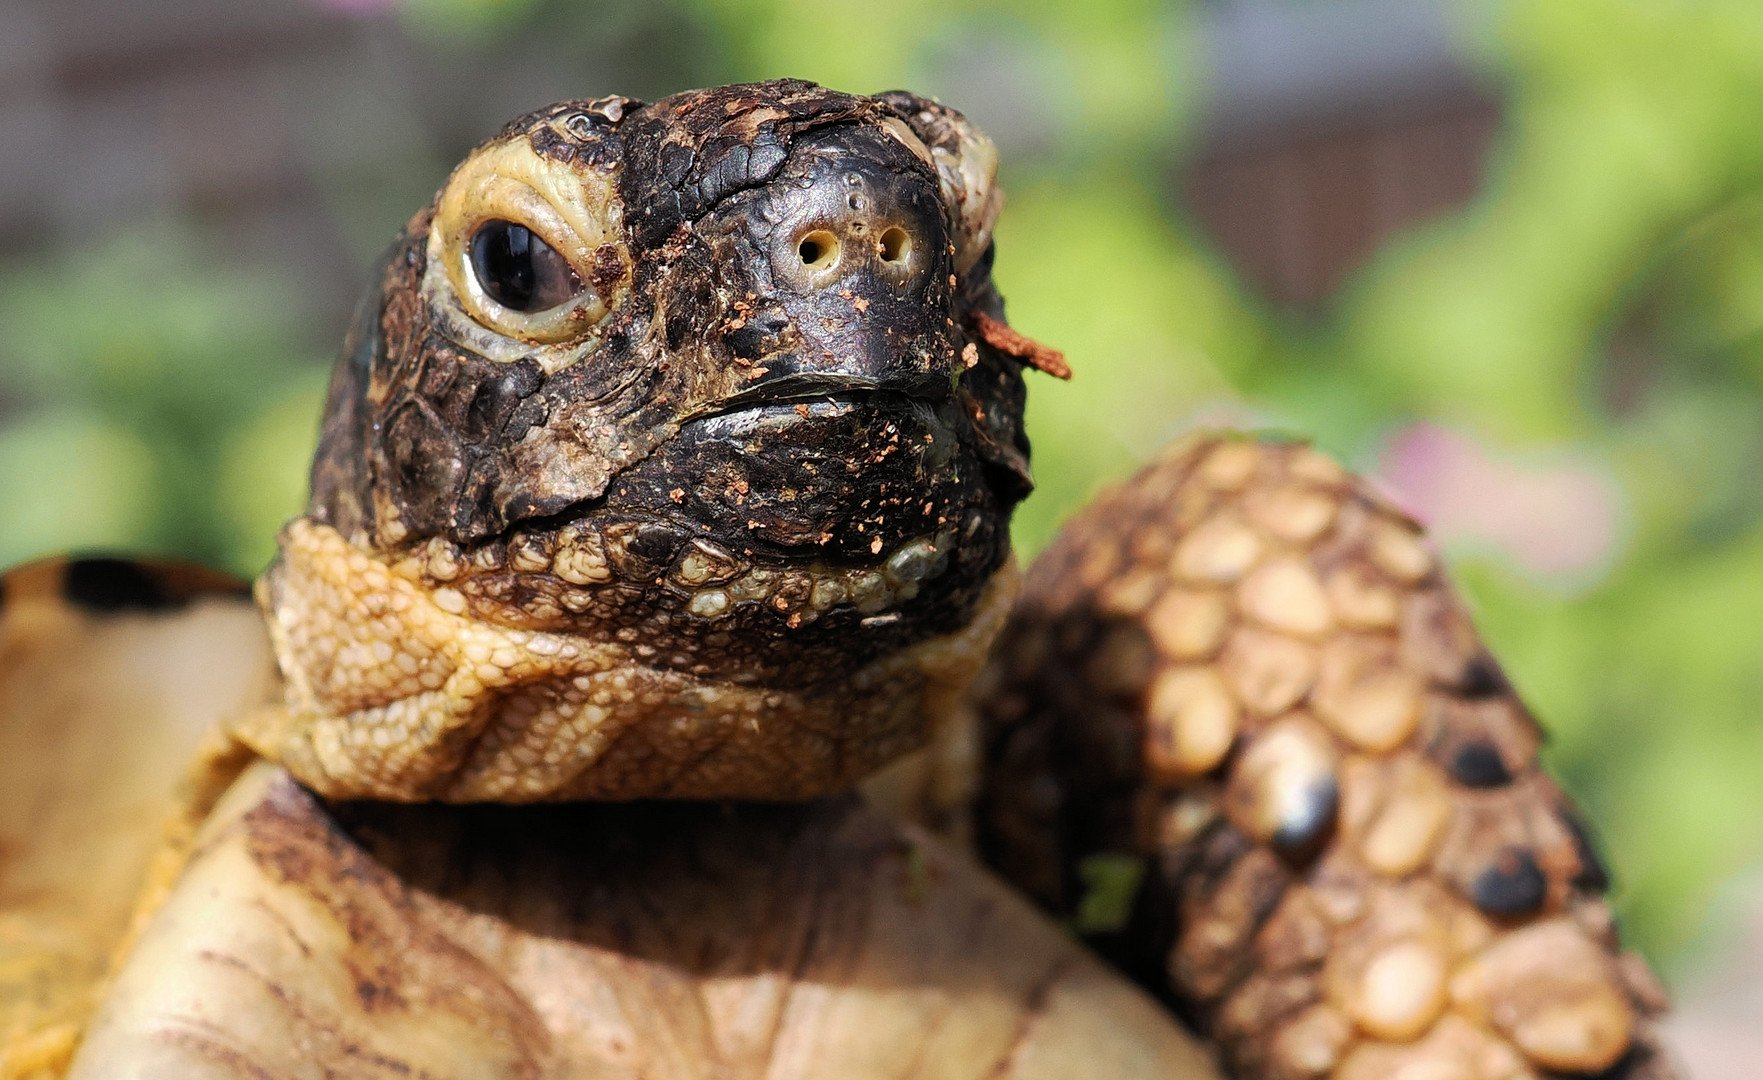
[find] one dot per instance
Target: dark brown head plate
(708, 382)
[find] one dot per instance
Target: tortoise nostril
(818, 249)
(894, 246)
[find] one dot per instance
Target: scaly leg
(1244, 675)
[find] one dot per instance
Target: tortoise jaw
(864, 506)
(807, 386)
(800, 477)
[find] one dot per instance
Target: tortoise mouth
(838, 477)
(926, 389)
(866, 500)
(793, 465)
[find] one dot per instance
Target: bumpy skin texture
(720, 538)
(1246, 671)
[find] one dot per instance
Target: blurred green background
(1507, 256)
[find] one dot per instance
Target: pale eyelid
(575, 211)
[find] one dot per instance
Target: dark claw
(1513, 886)
(1479, 765)
(1482, 677)
(1592, 876)
(1308, 819)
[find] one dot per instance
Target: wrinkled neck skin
(736, 541)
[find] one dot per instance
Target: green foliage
(465, 19)
(1111, 884)
(1604, 293)
(1093, 266)
(132, 363)
(70, 479)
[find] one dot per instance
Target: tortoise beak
(843, 271)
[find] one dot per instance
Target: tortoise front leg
(1245, 675)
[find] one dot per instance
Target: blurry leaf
(146, 341)
(72, 481)
(465, 20)
(263, 473)
(1111, 884)
(1627, 118)
(147, 326)
(1095, 270)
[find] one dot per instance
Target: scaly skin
(1247, 670)
(394, 696)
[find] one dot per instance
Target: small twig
(1031, 352)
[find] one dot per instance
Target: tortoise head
(712, 395)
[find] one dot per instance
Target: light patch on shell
(969, 178)
(966, 161)
(573, 207)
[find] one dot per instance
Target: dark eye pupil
(520, 271)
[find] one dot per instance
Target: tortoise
(648, 690)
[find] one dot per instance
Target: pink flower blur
(1555, 518)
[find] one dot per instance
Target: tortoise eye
(519, 270)
(525, 251)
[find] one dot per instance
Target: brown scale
(1246, 670)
